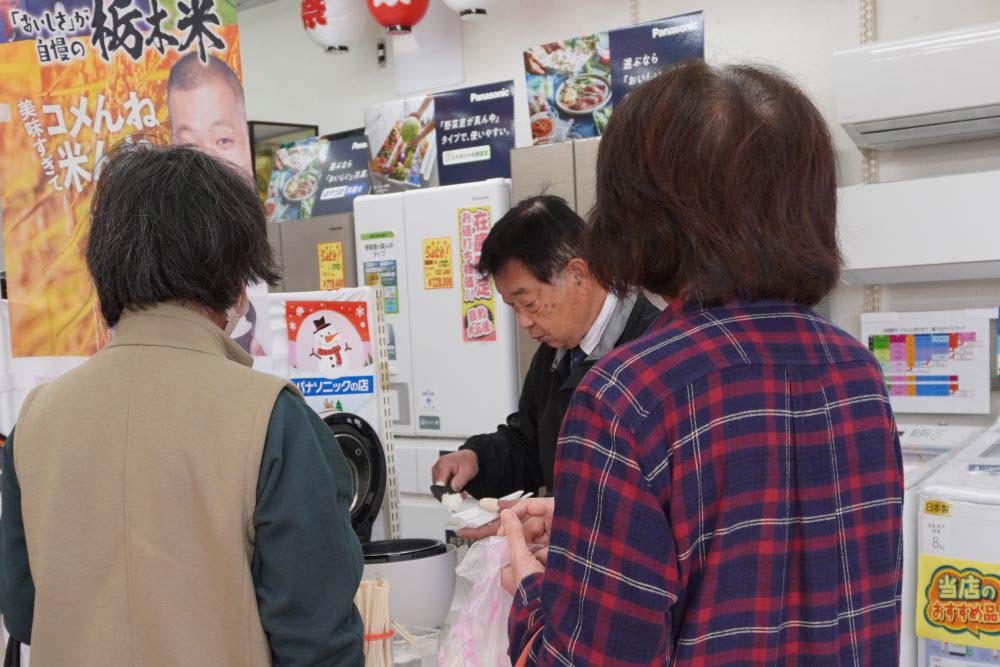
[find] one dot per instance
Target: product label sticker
(379, 263)
(430, 423)
(428, 401)
(936, 508)
(437, 263)
(331, 265)
(478, 299)
(958, 601)
(383, 273)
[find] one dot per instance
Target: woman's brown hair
(718, 184)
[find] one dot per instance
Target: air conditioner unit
(921, 230)
(930, 89)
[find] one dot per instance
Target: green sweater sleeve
(17, 589)
(307, 560)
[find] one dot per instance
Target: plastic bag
(478, 637)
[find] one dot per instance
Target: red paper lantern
(398, 16)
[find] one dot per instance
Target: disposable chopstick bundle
(372, 601)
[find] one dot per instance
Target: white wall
(288, 78)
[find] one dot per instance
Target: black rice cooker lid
(395, 551)
(366, 461)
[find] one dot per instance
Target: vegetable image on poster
(437, 263)
(478, 298)
(331, 265)
(78, 77)
(329, 338)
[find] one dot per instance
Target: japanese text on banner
(478, 299)
(331, 265)
(437, 263)
(79, 77)
(959, 601)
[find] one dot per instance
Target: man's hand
(523, 562)
(457, 469)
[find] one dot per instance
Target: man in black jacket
(534, 255)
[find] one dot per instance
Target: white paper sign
(934, 362)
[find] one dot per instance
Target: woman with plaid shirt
(728, 488)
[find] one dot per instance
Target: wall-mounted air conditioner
(929, 89)
(922, 230)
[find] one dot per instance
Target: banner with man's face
(76, 78)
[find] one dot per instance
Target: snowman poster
(330, 351)
(330, 338)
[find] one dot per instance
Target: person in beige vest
(164, 504)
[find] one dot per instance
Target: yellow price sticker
(437, 263)
(937, 508)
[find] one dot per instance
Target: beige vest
(138, 475)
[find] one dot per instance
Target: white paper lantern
(333, 24)
(469, 10)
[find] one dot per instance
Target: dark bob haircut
(717, 184)
(543, 233)
(174, 224)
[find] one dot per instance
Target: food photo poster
(573, 84)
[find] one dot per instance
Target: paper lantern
(469, 10)
(398, 16)
(333, 24)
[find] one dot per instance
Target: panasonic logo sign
(486, 97)
(690, 26)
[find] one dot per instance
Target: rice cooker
(421, 573)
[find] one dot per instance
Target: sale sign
(478, 299)
(437, 263)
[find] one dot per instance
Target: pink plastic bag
(478, 637)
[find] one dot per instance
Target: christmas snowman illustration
(329, 349)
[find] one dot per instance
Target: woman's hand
(528, 523)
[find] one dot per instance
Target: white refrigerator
(452, 340)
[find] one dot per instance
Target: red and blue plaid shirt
(728, 492)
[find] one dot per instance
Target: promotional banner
(323, 342)
(403, 145)
(437, 263)
(475, 130)
(959, 601)
(295, 179)
(478, 299)
(346, 175)
(459, 136)
(573, 84)
(77, 77)
(317, 176)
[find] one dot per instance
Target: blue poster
(641, 52)
(345, 176)
(475, 133)
(573, 84)
(317, 176)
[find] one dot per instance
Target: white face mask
(235, 314)
(233, 318)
